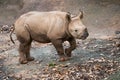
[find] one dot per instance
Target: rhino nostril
(76, 30)
(87, 34)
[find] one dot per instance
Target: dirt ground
(96, 58)
(93, 59)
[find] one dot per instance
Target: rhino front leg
(72, 42)
(58, 45)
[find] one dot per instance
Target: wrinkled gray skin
(44, 27)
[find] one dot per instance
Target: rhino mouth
(84, 36)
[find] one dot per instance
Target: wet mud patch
(93, 59)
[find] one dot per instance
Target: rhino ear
(81, 15)
(68, 17)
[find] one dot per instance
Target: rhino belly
(42, 38)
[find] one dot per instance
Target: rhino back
(48, 23)
(43, 24)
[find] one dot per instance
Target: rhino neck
(68, 32)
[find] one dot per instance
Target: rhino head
(76, 28)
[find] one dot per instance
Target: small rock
(18, 76)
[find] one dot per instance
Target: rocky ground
(93, 59)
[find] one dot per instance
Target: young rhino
(44, 27)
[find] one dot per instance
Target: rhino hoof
(23, 61)
(30, 58)
(63, 59)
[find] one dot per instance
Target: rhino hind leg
(29, 58)
(24, 50)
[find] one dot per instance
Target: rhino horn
(80, 15)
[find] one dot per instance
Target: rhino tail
(13, 28)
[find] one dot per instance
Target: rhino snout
(85, 34)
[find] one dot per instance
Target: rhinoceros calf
(44, 27)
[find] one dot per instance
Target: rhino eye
(76, 30)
